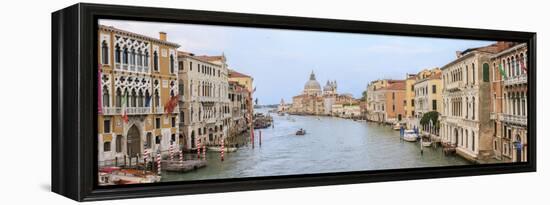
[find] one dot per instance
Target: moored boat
(410, 136)
(218, 149)
(116, 175)
(396, 126)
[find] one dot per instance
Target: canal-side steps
(178, 166)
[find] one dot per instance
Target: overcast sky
(280, 61)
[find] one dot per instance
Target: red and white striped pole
(204, 152)
(222, 150)
(158, 162)
(145, 155)
(181, 155)
(198, 150)
(171, 152)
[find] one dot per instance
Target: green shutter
(485, 72)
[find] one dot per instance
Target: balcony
(129, 110)
(516, 80)
(457, 85)
(514, 119)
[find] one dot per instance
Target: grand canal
(330, 145)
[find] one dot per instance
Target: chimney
(162, 36)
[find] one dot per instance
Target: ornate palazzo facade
(509, 104)
(138, 78)
(204, 103)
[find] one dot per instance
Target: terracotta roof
(493, 48)
(185, 53)
(210, 58)
(398, 85)
(235, 74)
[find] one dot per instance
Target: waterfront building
(243, 79)
(428, 91)
(509, 103)
(386, 101)
(138, 86)
(282, 107)
(314, 101)
(465, 121)
(408, 102)
(238, 95)
(204, 103)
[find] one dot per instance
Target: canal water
(330, 145)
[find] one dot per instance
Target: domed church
(312, 87)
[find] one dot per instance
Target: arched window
(140, 99)
(155, 61)
(485, 72)
(147, 99)
(118, 143)
(473, 74)
(125, 56)
(473, 141)
(157, 98)
(508, 66)
(139, 57)
(517, 65)
(473, 108)
(104, 52)
(132, 57)
(117, 54)
(146, 59)
(133, 98)
(118, 98)
(105, 97)
(172, 63)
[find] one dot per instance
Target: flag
(124, 105)
(171, 104)
(502, 72)
(99, 107)
(522, 63)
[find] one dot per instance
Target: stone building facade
(465, 120)
(204, 103)
(138, 80)
(509, 103)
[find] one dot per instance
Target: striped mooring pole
(181, 155)
(204, 152)
(198, 150)
(145, 155)
(222, 150)
(171, 152)
(158, 162)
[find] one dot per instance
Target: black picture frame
(74, 103)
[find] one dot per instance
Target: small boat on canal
(396, 126)
(117, 175)
(410, 136)
(219, 149)
(301, 132)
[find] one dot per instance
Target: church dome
(312, 85)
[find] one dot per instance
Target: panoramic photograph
(186, 102)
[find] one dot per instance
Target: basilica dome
(312, 87)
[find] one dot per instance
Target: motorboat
(219, 149)
(396, 126)
(301, 132)
(410, 136)
(116, 175)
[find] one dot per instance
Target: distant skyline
(280, 61)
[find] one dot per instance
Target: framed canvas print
(156, 101)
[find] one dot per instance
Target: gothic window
(155, 61)
(485, 72)
(118, 98)
(473, 141)
(157, 98)
(133, 99)
(140, 99)
(139, 57)
(104, 53)
(117, 54)
(146, 59)
(473, 108)
(473, 74)
(132, 57)
(516, 60)
(125, 56)
(147, 99)
(105, 97)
